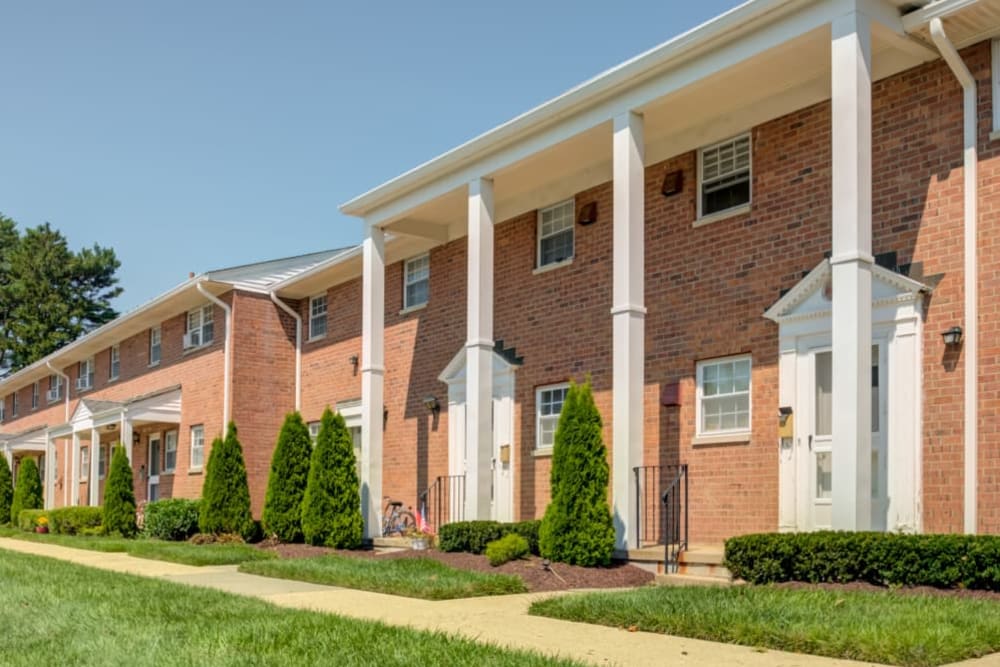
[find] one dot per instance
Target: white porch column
(74, 482)
(372, 377)
(479, 352)
(628, 318)
(126, 437)
(95, 459)
(50, 472)
(851, 263)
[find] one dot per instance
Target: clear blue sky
(196, 135)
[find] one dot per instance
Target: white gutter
(65, 378)
(227, 355)
(971, 334)
(298, 346)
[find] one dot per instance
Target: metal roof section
(262, 276)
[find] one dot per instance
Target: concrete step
(704, 561)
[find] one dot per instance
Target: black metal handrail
(675, 519)
(443, 501)
(649, 484)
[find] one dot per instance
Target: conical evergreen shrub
(286, 485)
(119, 497)
(577, 527)
(6, 490)
(331, 509)
(225, 495)
(28, 491)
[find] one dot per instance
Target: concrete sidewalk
(500, 620)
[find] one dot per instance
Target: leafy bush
(331, 507)
(119, 497)
(884, 559)
(6, 491)
(28, 491)
(225, 496)
(28, 519)
(73, 520)
(286, 485)
(473, 536)
(174, 519)
(577, 527)
(509, 547)
(95, 531)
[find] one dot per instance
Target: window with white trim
(317, 316)
(724, 176)
(85, 374)
(55, 388)
(14, 404)
(548, 406)
(155, 336)
(197, 447)
(200, 327)
(170, 451)
(84, 464)
(416, 281)
(555, 233)
(36, 390)
(723, 401)
(114, 362)
(314, 431)
(995, 71)
(102, 461)
(3, 409)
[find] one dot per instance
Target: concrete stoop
(697, 565)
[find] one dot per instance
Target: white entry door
(503, 448)
(153, 465)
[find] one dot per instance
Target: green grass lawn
(411, 577)
(57, 613)
(175, 552)
(881, 627)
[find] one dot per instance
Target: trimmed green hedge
(883, 559)
(474, 536)
(74, 520)
(173, 519)
(509, 547)
(26, 519)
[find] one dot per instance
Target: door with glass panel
(153, 466)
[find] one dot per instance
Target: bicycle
(396, 521)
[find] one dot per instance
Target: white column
(479, 352)
(74, 482)
(50, 472)
(126, 437)
(628, 318)
(95, 460)
(372, 377)
(851, 264)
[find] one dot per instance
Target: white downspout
(971, 335)
(56, 371)
(298, 347)
(227, 354)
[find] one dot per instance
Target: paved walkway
(500, 620)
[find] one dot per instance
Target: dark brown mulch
(905, 590)
(558, 577)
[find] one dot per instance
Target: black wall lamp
(136, 438)
(588, 214)
(354, 362)
(432, 404)
(952, 336)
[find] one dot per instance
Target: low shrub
(28, 519)
(221, 538)
(473, 536)
(883, 559)
(74, 520)
(174, 519)
(95, 531)
(529, 531)
(509, 547)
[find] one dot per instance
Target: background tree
(6, 489)
(225, 495)
(286, 485)
(331, 509)
(27, 491)
(119, 497)
(577, 527)
(49, 294)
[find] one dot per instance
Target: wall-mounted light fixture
(354, 363)
(110, 427)
(431, 403)
(952, 336)
(136, 438)
(588, 214)
(673, 182)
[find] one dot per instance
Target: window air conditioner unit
(188, 341)
(82, 383)
(52, 394)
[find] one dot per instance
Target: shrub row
(28, 519)
(473, 536)
(63, 521)
(174, 519)
(883, 559)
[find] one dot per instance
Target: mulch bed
(905, 590)
(559, 577)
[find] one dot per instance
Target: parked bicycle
(395, 520)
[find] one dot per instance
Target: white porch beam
(431, 231)
(95, 462)
(628, 317)
(372, 377)
(479, 351)
(851, 266)
(74, 482)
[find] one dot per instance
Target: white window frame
(85, 369)
(84, 463)
(114, 361)
(197, 438)
(103, 455)
(167, 437)
(36, 394)
(995, 77)
(539, 417)
(3, 409)
(408, 280)
(733, 210)
(55, 382)
(722, 435)
(316, 317)
(14, 405)
(155, 343)
(205, 315)
(571, 203)
(314, 431)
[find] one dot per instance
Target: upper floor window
(200, 327)
(35, 391)
(14, 404)
(723, 401)
(555, 233)
(317, 316)
(724, 176)
(548, 406)
(114, 365)
(85, 374)
(55, 388)
(417, 277)
(154, 345)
